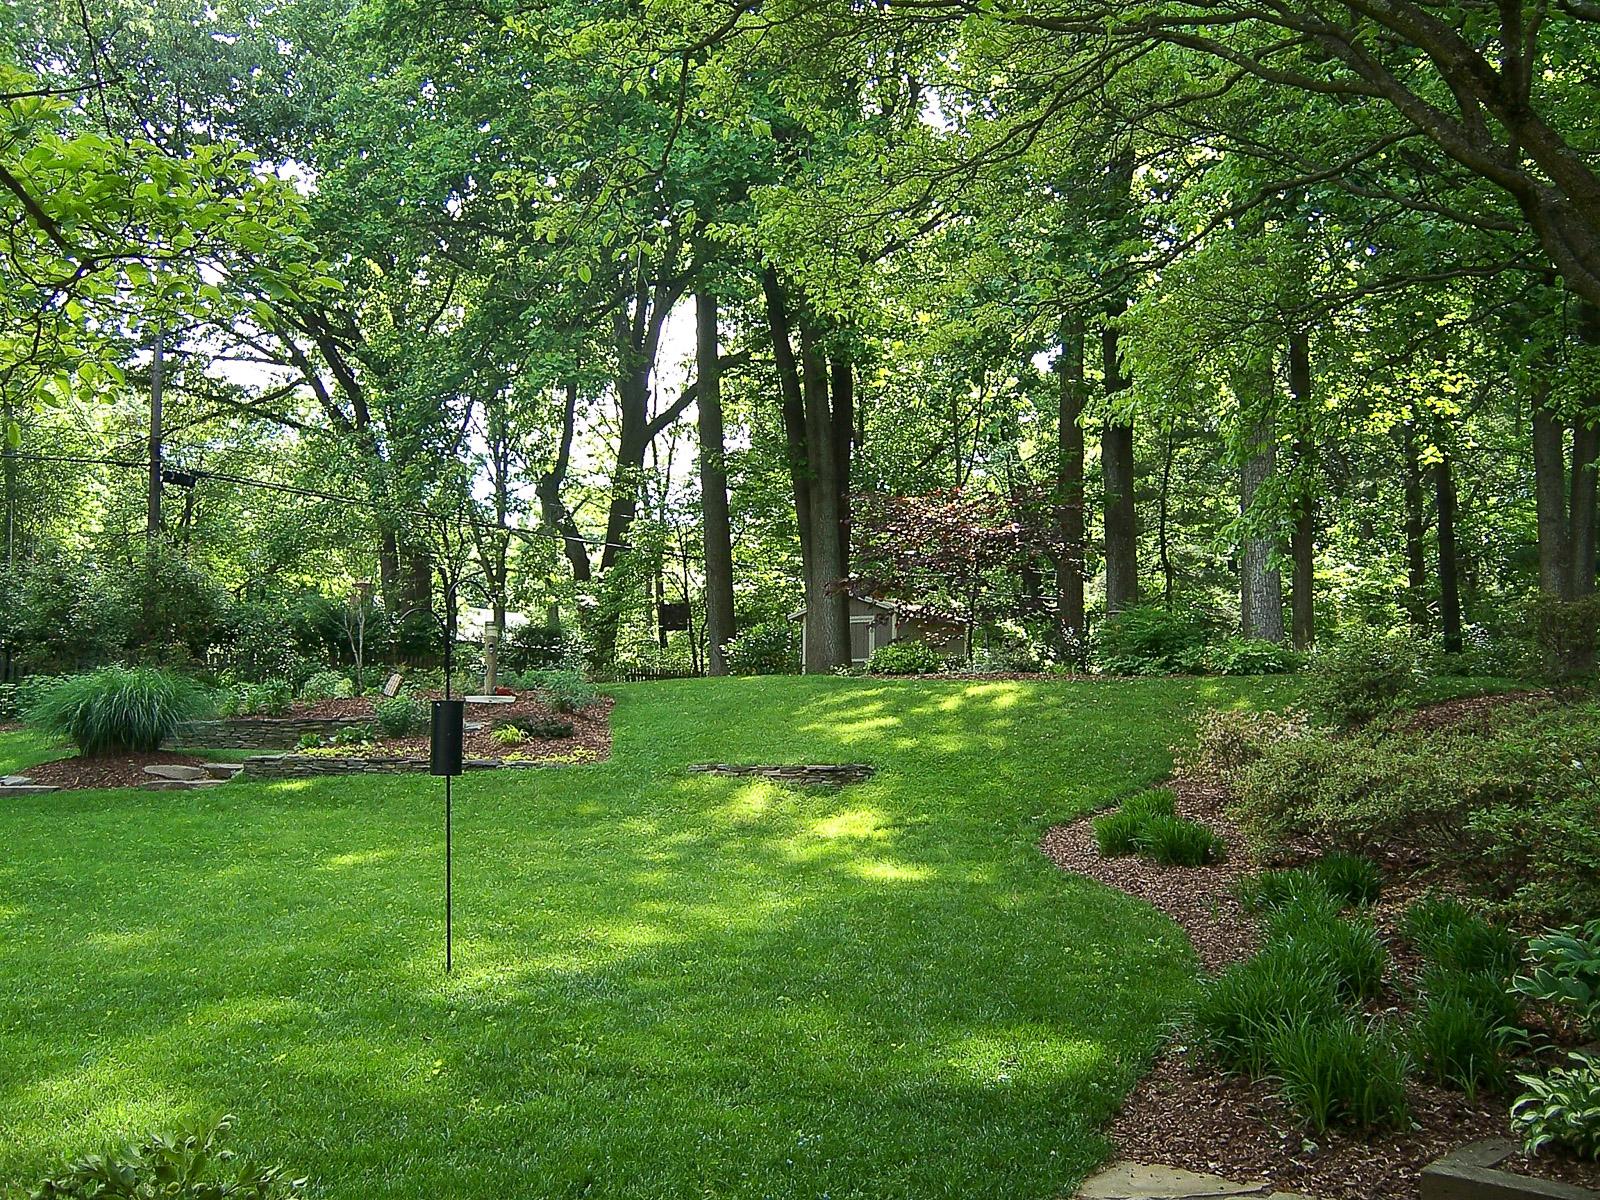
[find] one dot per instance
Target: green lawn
(666, 985)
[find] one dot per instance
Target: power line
(228, 477)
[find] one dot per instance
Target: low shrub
(1239, 1010)
(1561, 1108)
(185, 1166)
(905, 657)
(1566, 632)
(1251, 656)
(118, 709)
(400, 715)
(327, 685)
(767, 648)
(1117, 833)
(1452, 937)
(545, 727)
(1228, 740)
(1368, 676)
(565, 691)
(270, 698)
(1350, 952)
(1454, 1042)
(353, 735)
(1564, 971)
(1340, 1071)
(1349, 877)
(1177, 842)
(1152, 639)
(506, 735)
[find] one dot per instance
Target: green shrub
(1350, 952)
(1228, 740)
(1562, 1108)
(906, 657)
(1117, 833)
(1239, 1010)
(308, 741)
(1152, 639)
(1177, 842)
(532, 647)
(187, 1166)
(118, 709)
(1251, 656)
(400, 715)
(1349, 877)
(506, 735)
(1450, 936)
(1340, 1071)
(544, 727)
(1565, 632)
(1454, 1042)
(270, 698)
(327, 685)
(353, 735)
(768, 648)
(1367, 676)
(1564, 971)
(1157, 802)
(565, 691)
(1268, 891)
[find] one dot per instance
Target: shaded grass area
(666, 985)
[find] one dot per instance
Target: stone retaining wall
(311, 766)
(257, 733)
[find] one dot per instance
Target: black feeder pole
(444, 745)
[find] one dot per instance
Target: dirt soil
(106, 771)
(1185, 1113)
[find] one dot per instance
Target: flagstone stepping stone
(27, 789)
(1146, 1181)
(180, 785)
(175, 771)
(14, 781)
(223, 770)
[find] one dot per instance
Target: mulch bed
(107, 771)
(1185, 1113)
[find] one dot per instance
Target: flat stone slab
(490, 699)
(222, 770)
(180, 785)
(14, 781)
(1146, 1181)
(27, 789)
(175, 771)
(1468, 1173)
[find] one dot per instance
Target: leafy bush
(353, 735)
(1566, 632)
(1450, 936)
(1341, 1071)
(1349, 952)
(1564, 970)
(564, 691)
(308, 741)
(532, 647)
(767, 648)
(186, 1166)
(1228, 740)
(544, 727)
(1152, 639)
(1177, 842)
(905, 657)
(1251, 656)
(1117, 833)
(506, 735)
(327, 685)
(1455, 1042)
(400, 715)
(1349, 877)
(1239, 1010)
(118, 708)
(1368, 676)
(270, 698)
(1561, 1108)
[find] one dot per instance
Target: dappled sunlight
(882, 871)
(852, 823)
(362, 858)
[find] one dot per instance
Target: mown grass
(667, 985)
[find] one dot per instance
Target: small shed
(875, 622)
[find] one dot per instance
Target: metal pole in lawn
(444, 745)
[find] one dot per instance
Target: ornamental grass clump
(1241, 1009)
(1453, 937)
(1117, 833)
(119, 709)
(1350, 952)
(1454, 1041)
(1177, 842)
(1343, 1071)
(1350, 877)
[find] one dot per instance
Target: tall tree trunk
(1303, 532)
(1260, 586)
(713, 487)
(152, 525)
(792, 407)
(1581, 531)
(842, 377)
(1550, 497)
(1416, 521)
(1444, 487)
(1117, 467)
(827, 601)
(1169, 578)
(1070, 560)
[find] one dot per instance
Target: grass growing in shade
(668, 985)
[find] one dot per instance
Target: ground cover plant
(666, 983)
(1148, 824)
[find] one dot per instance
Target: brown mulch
(1471, 712)
(590, 740)
(106, 771)
(1185, 1113)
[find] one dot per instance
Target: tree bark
(1585, 458)
(1260, 585)
(152, 525)
(713, 486)
(827, 601)
(1444, 485)
(792, 407)
(1070, 558)
(1550, 497)
(842, 377)
(1117, 467)
(1303, 532)
(1416, 521)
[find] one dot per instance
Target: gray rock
(1141, 1181)
(27, 789)
(223, 770)
(175, 771)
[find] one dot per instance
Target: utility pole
(153, 516)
